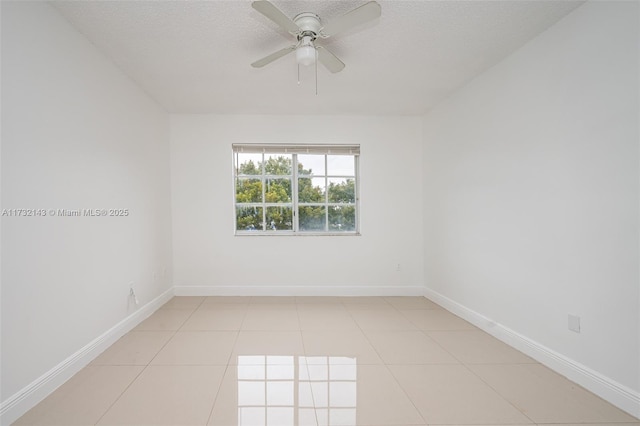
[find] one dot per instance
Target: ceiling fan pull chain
(315, 50)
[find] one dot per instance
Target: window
(296, 189)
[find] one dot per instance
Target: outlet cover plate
(574, 323)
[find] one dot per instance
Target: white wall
(76, 133)
(207, 254)
(531, 192)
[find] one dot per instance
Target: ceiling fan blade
(365, 13)
(329, 60)
(273, 13)
(275, 55)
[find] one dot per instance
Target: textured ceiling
(194, 56)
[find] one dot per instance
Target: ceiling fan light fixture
(306, 55)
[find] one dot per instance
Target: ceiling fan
(308, 29)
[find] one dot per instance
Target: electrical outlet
(574, 323)
(132, 294)
(397, 267)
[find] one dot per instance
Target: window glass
(311, 190)
(311, 164)
(279, 218)
(312, 218)
(342, 218)
(277, 164)
(296, 189)
(340, 165)
(248, 190)
(248, 164)
(342, 190)
(277, 190)
(249, 218)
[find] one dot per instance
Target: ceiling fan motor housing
(309, 24)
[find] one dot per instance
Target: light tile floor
(316, 361)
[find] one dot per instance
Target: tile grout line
(460, 362)
(393, 375)
(226, 369)
(498, 393)
(150, 361)
(306, 364)
(387, 367)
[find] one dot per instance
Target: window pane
(248, 191)
(279, 218)
(342, 218)
(311, 190)
(341, 165)
(311, 164)
(248, 164)
(249, 218)
(342, 190)
(311, 218)
(277, 164)
(278, 191)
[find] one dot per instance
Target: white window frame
(294, 150)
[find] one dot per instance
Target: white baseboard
(617, 394)
(417, 290)
(22, 401)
